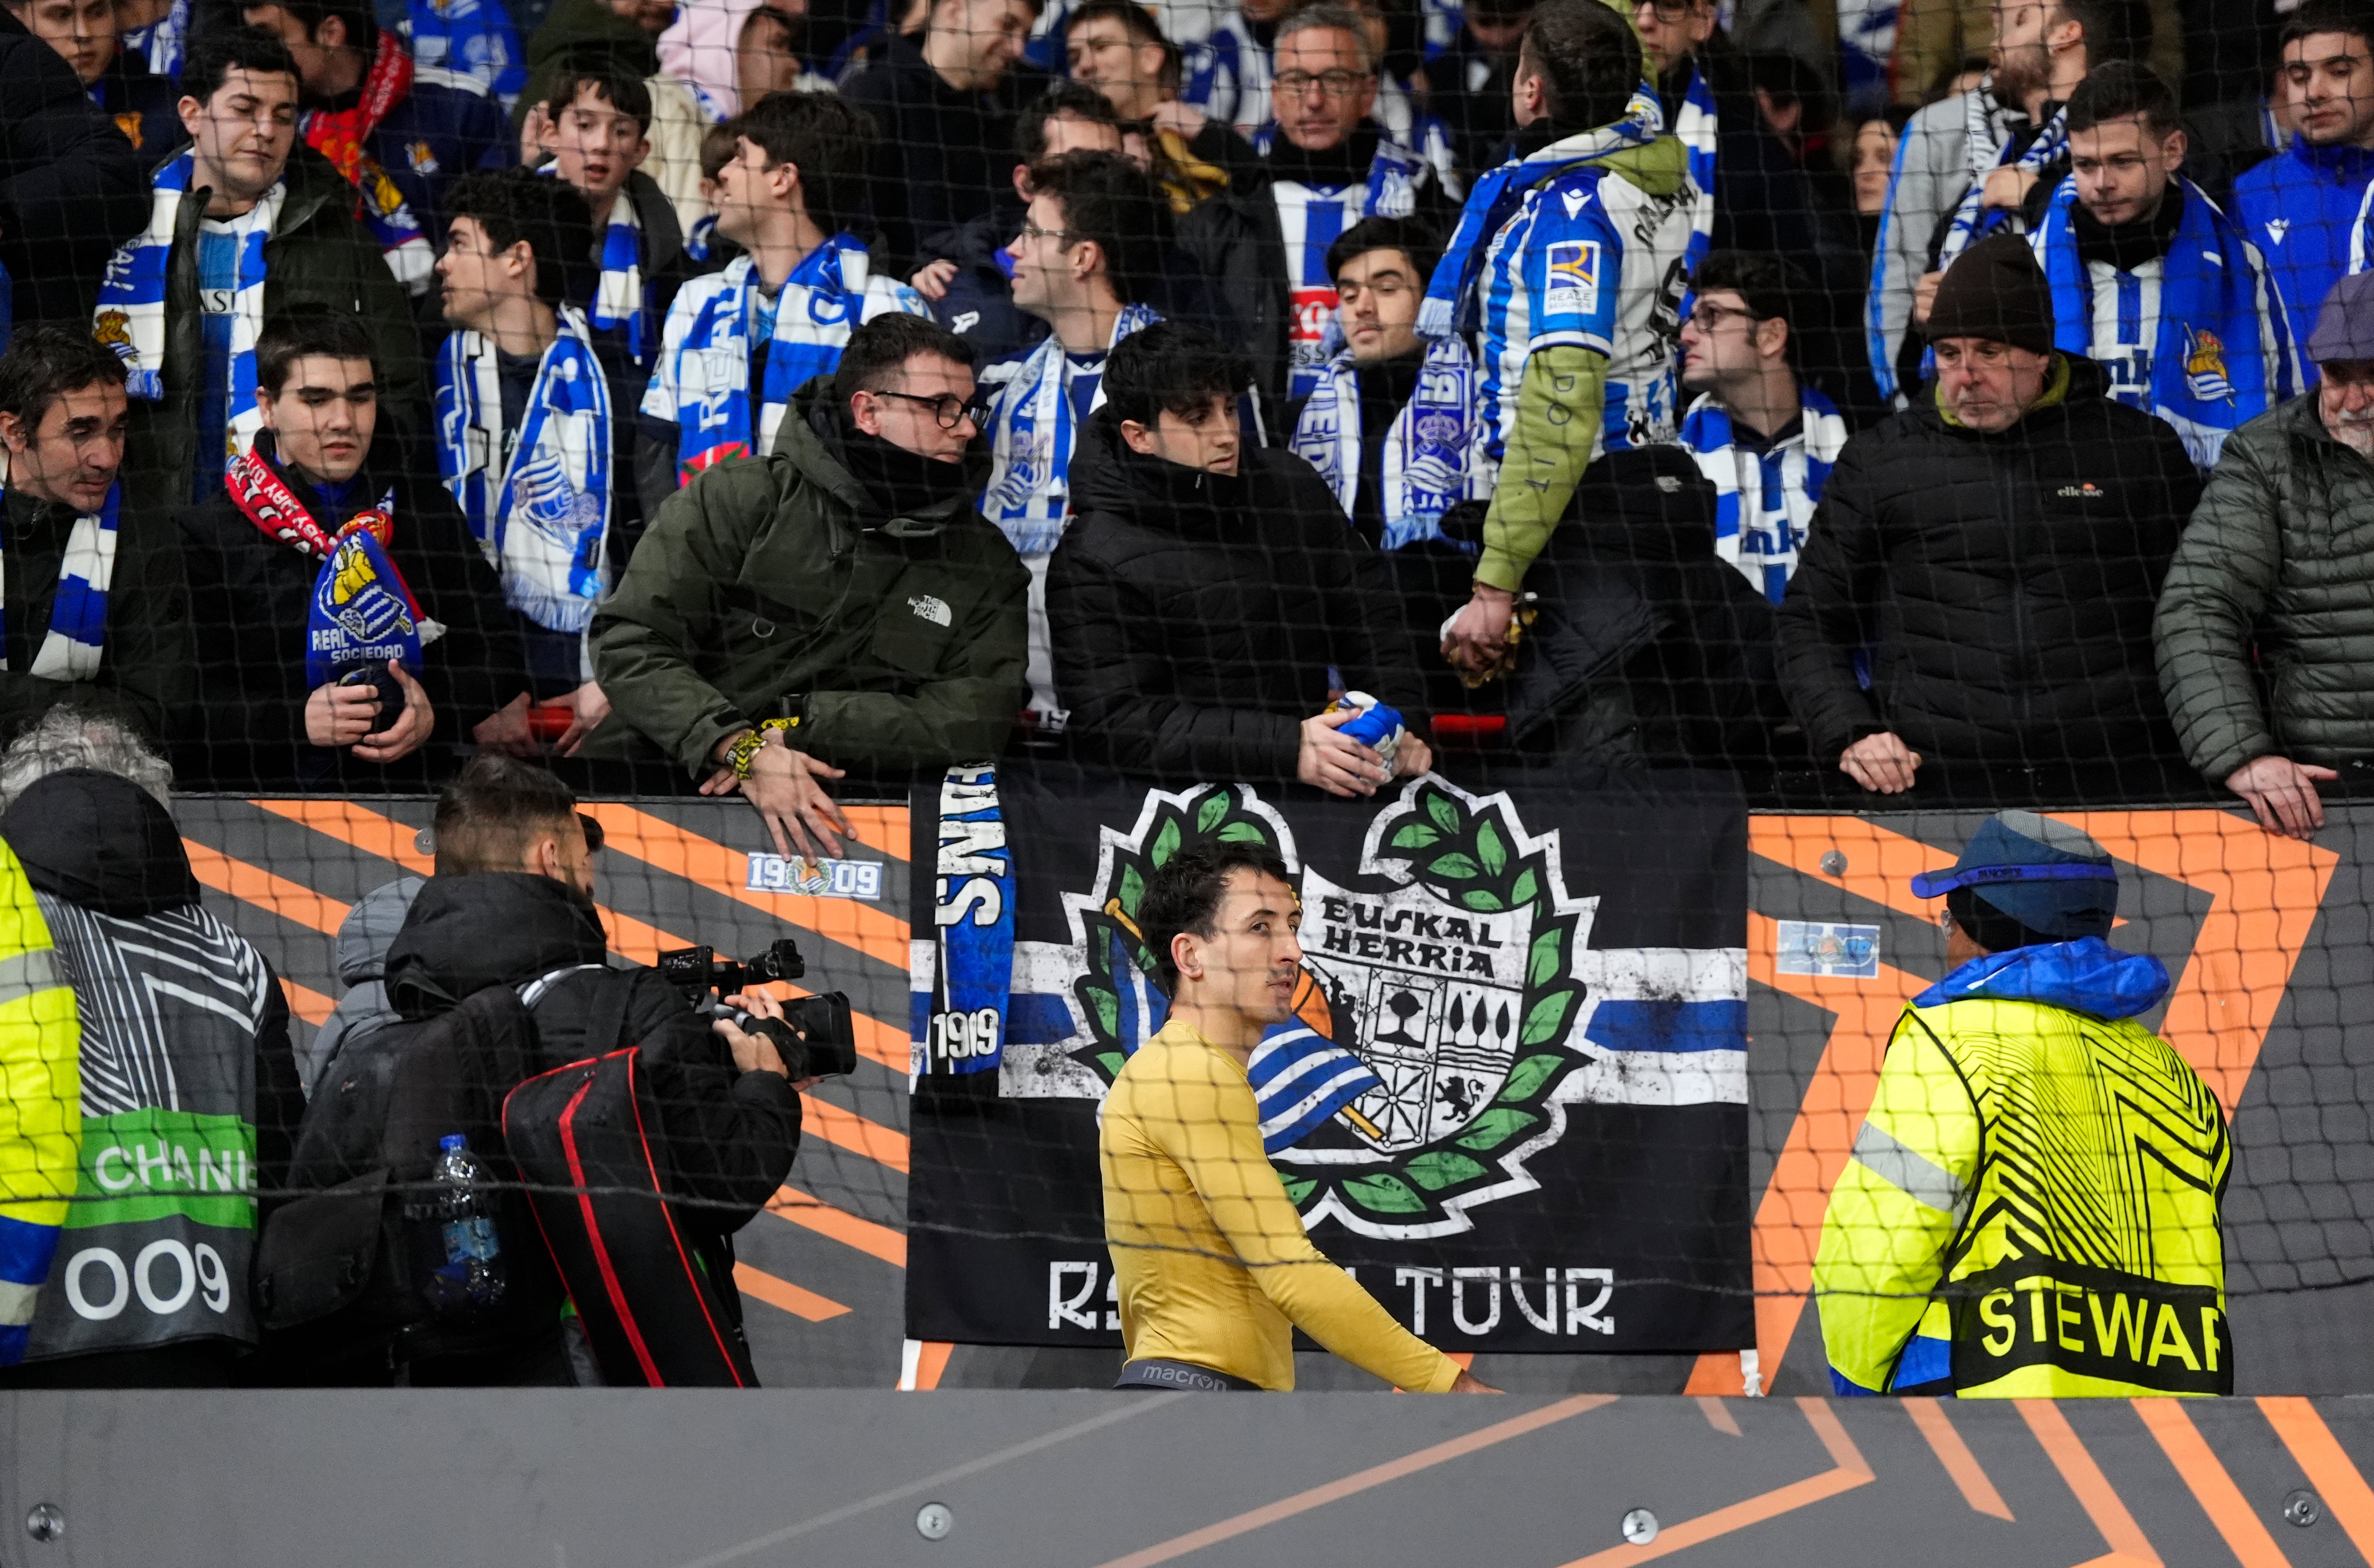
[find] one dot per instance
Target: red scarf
(265, 500)
(338, 133)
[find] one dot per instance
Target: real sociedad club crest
(1443, 1021)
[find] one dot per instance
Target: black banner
(1547, 984)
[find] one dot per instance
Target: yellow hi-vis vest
(2030, 1211)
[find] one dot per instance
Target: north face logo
(933, 610)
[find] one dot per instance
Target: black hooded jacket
(71, 187)
(729, 1135)
(1194, 616)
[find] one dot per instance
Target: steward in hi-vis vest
(2031, 1207)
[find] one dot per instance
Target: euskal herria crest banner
(1545, 986)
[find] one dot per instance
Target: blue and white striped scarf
(619, 297)
(703, 382)
(1425, 468)
(162, 43)
(2221, 352)
(1301, 1078)
(1696, 126)
(552, 475)
(1451, 305)
(1764, 501)
(131, 315)
(1973, 220)
(1031, 437)
(78, 634)
(471, 37)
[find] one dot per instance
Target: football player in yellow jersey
(1215, 1272)
(2031, 1208)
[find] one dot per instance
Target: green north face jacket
(770, 580)
(2265, 627)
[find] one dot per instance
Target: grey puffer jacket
(2265, 628)
(364, 937)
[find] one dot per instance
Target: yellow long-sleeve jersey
(1213, 1265)
(2031, 1211)
(40, 1104)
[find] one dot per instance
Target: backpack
(343, 1258)
(596, 1179)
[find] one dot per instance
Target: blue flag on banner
(1301, 1078)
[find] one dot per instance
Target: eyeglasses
(949, 408)
(1706, 318)
(1335, 84)
(1032, 232)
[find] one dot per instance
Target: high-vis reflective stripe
(27, 973)
(1907, 1170)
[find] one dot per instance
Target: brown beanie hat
(1994, 290)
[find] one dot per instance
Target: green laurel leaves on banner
(1545, 1018)
(1547, 958)
(1297, 1189)
(1415, 836)
(1133, 889)
(1439, 1168)
(1490, 852)
(1106, 1005)
(1243, 833)
(1494, 1128)
(1447, 813)
(1166, 842)
(1384, 1194)
(1483, 899)
(1455, 866)
(1526, 1079)
(1112, 1063)
(1212, 813)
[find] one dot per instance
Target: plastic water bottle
(1379, 728)
(470, 1281)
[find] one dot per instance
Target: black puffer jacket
(71, 187)
(2267, 628)
(1193, 617)
(2003, 584)
(730, 1135)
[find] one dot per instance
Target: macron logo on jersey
(1574, 201)
(1573, 278)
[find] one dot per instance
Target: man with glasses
(840, 605)
(1763, 439)
(1325, 166)
(738, 343)
(1087, 263)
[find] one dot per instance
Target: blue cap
(2047, 875)
(451, 1142)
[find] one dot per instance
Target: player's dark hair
(216, 55)
(1110, 200)
(45, 362)
(829, 139)
(1170, 365)
(1587, 56)
(1184, 893)
(1075, 99)
(301, 330)
(1414, 238)
(512, 205)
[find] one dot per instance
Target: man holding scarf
(268, 226)
(344, 605)
(1089, 251)
(401, 133)
(91, 606)
(523, 421)
(2150, 280)
(1326, 165)
(1569, 259)
(739, 343)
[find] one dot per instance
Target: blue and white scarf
(619, 297)
(1031, 437)
(1697, 125)
(703, 382)
(961, 1027)
(472, 37)
(1973, 220)
(77, 635)
(1765, 500)
(1299, 1079)
(552, 475)
(1425, 468)
(1451, 305)
(162, 43)
(2220, 352)
(131, 315)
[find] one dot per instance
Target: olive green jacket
(777, 582)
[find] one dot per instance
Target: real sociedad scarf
(964, 1028)
(473, 37)
(363, 611)
(1770, 519)
(1450, 302)
(1696, 126)
(820, 305)
(1031, 438)
(1973, 220)
(339, 135)
(618, 296)
(2221, 327)
(538, 498)
(77, 639)
(163, 41)
(131, 315)
(1425, 467)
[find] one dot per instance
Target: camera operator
(729, 1110)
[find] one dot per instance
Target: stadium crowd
(785, 402)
